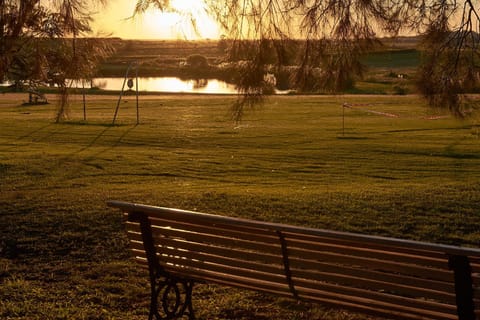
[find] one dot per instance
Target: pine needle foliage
(330, 36)
(46, 42)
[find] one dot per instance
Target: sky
(153, 24)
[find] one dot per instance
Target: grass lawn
(294, 160)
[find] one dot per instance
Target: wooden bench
(380, 276)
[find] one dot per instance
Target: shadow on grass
(101, 134)
(352, 138)
(31, 133)
(90, 123)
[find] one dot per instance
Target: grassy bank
(296, 160)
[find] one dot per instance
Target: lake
(164, 84)
(169, 84)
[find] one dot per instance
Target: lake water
(168, 84)
(165, 84)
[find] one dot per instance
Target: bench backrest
(375, 275)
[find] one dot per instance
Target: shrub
(197, 61)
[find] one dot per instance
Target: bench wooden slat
(292, 252)
(377, 296)
(164, 252)
(227, 261)
(375, 264)
(356, 250)
(228, 224)
(235, 281)
(373, 280)
(225, 279)
(371, 284)
(228, 252)
(259, 235)
(169, 262)
(366, 245)
(394, 278)
(475, 260)
(169, 252)
(260, 246)
(368, 277)
(190, 216)
(247, 244)
(371, 306)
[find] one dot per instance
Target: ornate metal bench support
(171, 299)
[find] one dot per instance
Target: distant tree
(39, 42)
(197, 61)
(222, 45)
(336, 33)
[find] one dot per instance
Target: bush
(197, 61)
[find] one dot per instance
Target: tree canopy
(318, 43)
(330, 36)
(46, 42)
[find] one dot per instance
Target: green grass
(63, 253)
(393, 59)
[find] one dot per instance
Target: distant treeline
(169, 57)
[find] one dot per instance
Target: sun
(188, 21)
(187, 5)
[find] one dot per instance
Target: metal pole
(136, 86)
(121, 94)
(84, 102)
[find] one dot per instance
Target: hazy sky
(113, 19)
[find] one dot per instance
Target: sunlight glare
(187, 5)
(179, 24)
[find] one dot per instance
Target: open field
(295, 160)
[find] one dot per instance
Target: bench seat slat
(190, 216)
(368, 274)
(235, 253)
(229, 231)
(372, 307)
(356, 250)
(167, 254)
(373, 280)
(235, 281)
(435, 254)
(309, 274)
(368, 263)
(227, 261)
(374, 284)
(377, 296)
(174, 263)
(228, 223)
(165, 233)
(222, 252)
(240, 269)
(225, 279)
